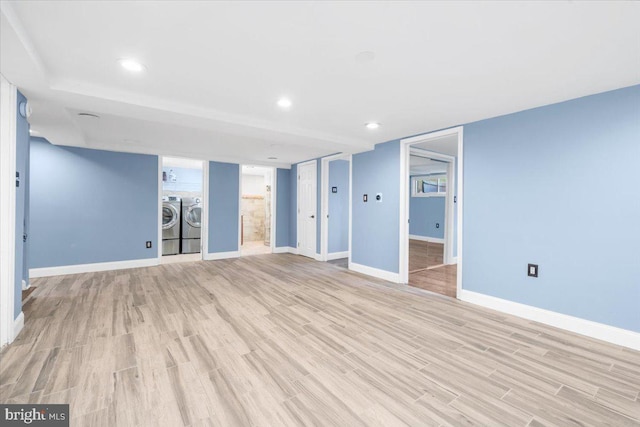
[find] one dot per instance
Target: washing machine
(171, 208)
(191, 220)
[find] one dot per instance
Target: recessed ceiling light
(284, 103)
(372, 125)
(132, 65)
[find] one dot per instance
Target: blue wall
(558, 186)
(22, 204)
(186, 180)
(90, 206)
(283, 205)
(293, 207)
(224, 206)
(424, 214)
(338, 206)
(376, 226)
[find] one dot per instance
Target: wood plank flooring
(282, 340)
(426, 270)
(441, 280)
(424, 254)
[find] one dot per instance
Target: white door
(307, 209)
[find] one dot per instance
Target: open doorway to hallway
(256, 210)
(428, 187)
(336, 209)
(430, 259)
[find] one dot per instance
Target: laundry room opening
(256, 210)
(182, 209)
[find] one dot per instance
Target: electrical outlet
(148, 244)
(532, 270)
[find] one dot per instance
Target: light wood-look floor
(426, 270)
(441, 280)
(278, 340)
(424, 254)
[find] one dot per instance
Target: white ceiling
(177, 162)
(256, 170)
(216, 69)
(422, 165)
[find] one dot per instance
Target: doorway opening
(257, 220)
(431, 215)
(182, 207)
(336, 209)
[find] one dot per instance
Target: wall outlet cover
(532, 270)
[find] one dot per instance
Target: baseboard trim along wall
(285, 250)
(588, 328)
(18, 324)
(375, 272)
(337, 255)
(426, 239)
(91, 268)
(221, 255)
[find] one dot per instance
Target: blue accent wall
(293, 207)
(558, 186)
(90, 206)
(224, 206)
(186, 179)
(22, 203)
(376, 226)
(283, 206)
(424, 214)
(338, 206)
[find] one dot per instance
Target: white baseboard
(589, 328)
(18, 324)
(285, 250)
(375, 272)
(221, 255)
(91, 268)
(426, 239)
(337, 255)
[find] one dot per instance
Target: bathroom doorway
(256, 210)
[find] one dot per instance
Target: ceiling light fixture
(132, 65)
(272, 158)
(284, 103)
(372, 125)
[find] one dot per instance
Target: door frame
(324, 202)
(8, 116)
(314, 255)
(405, 150)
